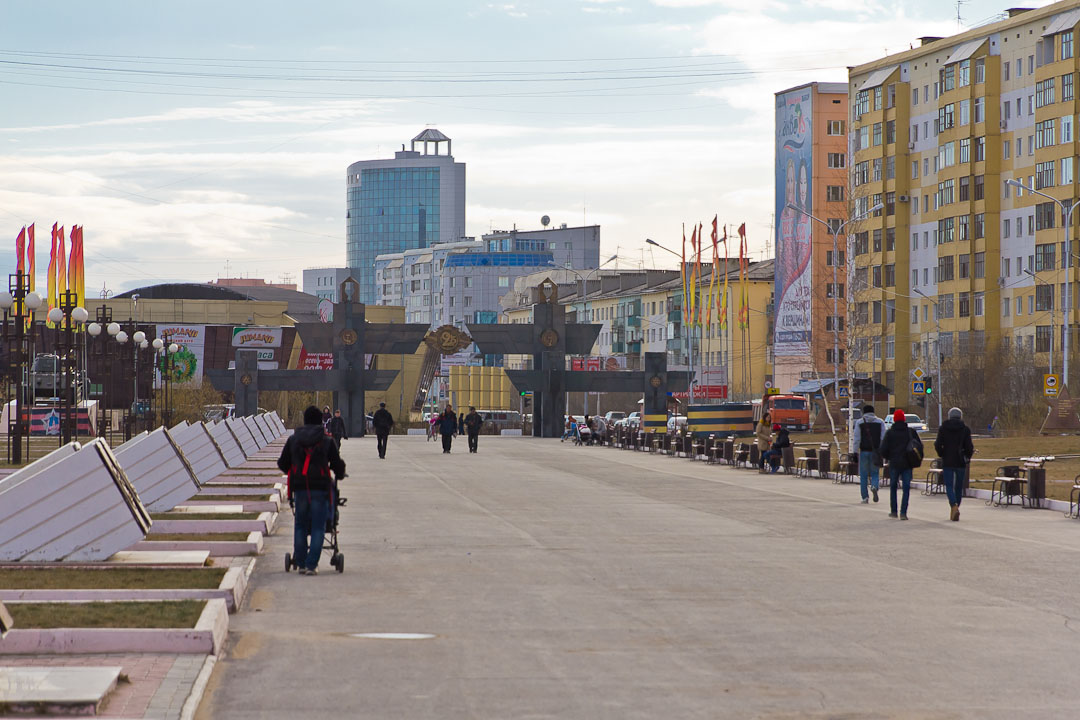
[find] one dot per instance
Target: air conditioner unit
(903, 198)
(911, 146)
(1004, 124)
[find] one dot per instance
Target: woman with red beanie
(903, 449)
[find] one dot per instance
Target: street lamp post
(170, 351)
(940, 390)
(1053, 323)
(66, 315)
(836, 301)
(1066, 264)
(19, 304)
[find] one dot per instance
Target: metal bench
(934, 484)
(1007, 485)
(742, 454)
(847, 469)
(1074, 499)
(807, 463)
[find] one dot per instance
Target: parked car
(676, 423)
(614, 416)
(633, 420)
(914, 422)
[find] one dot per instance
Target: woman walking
(764, 439)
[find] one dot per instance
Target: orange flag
(31, 265)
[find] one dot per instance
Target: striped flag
(744, 300)
(31, 265)
(20, 251)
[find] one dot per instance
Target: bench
(807, 463)
(1010, 482)
(1074, 499)
(787, 459)
(697, 445)
(848, 470)
(934, 485)
(742, 454)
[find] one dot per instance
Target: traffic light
(929, 385)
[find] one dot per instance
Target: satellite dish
(545, 221)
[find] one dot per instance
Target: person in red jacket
(307, 458)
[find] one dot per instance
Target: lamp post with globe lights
(18, 303)
(67, 315)
(169, 352)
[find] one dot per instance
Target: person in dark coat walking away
(473, 423)
(868, 433)
(336, 428)
(383, 423)
(307, 458)
(894, 448)
(448, 423)
(954, 447)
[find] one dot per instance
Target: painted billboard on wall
(187, 363)
(794, 177)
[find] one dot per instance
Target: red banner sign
(706, 392)
(315, 361)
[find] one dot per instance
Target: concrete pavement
(595, 583)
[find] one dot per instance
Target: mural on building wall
(793, 230)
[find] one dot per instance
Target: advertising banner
(257, 337)
(187, 363)
(315, 360)
(598, 363)
(793, 176)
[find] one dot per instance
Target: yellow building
(485, 388)
(957, 261)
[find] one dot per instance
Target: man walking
(336, 428)
(383, 422)
(954, 447)
(903, 449)
(448, 423)
(473, 423)
(307, 459)
(869, 431)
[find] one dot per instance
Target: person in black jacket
(894, 448)
(336, 428)
(448, 424)
(307, 458)
(954, 447)
(775, 454)
(383, 422)
(473, 423)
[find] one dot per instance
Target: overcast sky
(197, 138)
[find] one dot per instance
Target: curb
(198, 689)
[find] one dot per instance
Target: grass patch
(165, 614)
(209, 537)
(204, 516)
(108, 578)
(229, 499)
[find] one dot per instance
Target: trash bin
(1036, 486)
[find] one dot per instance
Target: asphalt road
(571, 582)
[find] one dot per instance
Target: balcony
(634, 347)
(675, 315)
(633, 321)
(618, 347)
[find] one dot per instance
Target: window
(946, 232)
(1044, 257)
(876, 305)
(963, 228)
(963, 266)
(1066, 45)
(834, 322)
(1044, 92)
(1044, 337)
(1044, 297)
(980, 70)
(877, 276)
(945, 306)
(1044, 134)
(890, 276)
(963, 305)
(980, 187)
(862, 103)
(963, 74)
(946, 155)
(839, 258)
(834, 225)
(829, 290)
(1044, 216)
(1031, 64)
(1066, 87)
(979, 302)
(945, 269)
(965, 189)
(980, 110)
(890, 167)
(979, 226)
(876, 169)
(980, 149)
(877, 240)
(1044, 175)
(877, 98)
(829, 356)
(1005, 68)
(890, 347)
(837, 160)
(945, 117)
(965, 150)
(979, 265)
(914, 169)
(877, 134)
(944, 195)
(890, 203)
(834, 193)
(861, 175)
(1066, 171)
(504, 281)
(890, 239)
(1005, 229)
(947, 77)
(862, 243)
(836, 127)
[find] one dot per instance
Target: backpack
(913, 453)
(309, 463)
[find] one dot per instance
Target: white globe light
(113, 329)
(80, 315)
(6, 301)
(93, 329)
(143, 345)
(121, 337)
(158, 343)
(33, 301)
(139, 336)
(55, 315)
(173, 347)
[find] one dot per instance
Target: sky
(195, 140)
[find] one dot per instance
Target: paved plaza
(570, 582)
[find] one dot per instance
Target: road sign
(768, 384)
(843, 391)
(1051, 383)
(917, 373)
(772, 391)
(918, 387)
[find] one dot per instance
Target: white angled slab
(264, 425)
(256, 431)
(133, 440)
(282, 430)
(227, 443)
(159, 470)
(200, 449)
(75, 504)
(243, 436)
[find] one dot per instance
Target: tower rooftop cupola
(434, 137)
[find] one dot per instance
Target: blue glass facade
(390, 211)
(499, 260)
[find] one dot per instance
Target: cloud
(509, 9)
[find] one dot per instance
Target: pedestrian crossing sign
(918, 387)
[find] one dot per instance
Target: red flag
(61, 265)
(31, 265)
(686, 297)
(744, 300)
(50, 301)
(20, 251)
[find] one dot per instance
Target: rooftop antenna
(959, 18)
(545, 221)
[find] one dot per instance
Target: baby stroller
(330, 539)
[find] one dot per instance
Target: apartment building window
(837, 160)
(890, 276)
(876, 169)
(890, 167)
(965, 189)
(877, 240)
(1066, 171)
(963, 266)
(1044, 257)
(980, 187)
(861, 275)
(980, 70)
(1044, 298)
(861, 175)
(1031, 304)
(946, 232)
(834, 323)
(877, 276)
(1044, 335)
(947, 77)
(926, 93)
(946, 155)
(1044, 92)
(877, 134)
(877, 98)
(945, 194)
(890, 203)
(926, 166)
(980, 110)
(1066, 45)
(876, 307)
(1044, 175)
(1006, 148)
(1019, 150)
(926, 313)
(914, 169)
(863, 138)
(1066, 128)
(862, 103)
(836, 127)
(978, 300)
(1006, 225)
(980, 149)
(890, 239)
(914, 283)
(1005, 304)
(965, 150)
(1019, 68)
(980, 265)
(1044, 134)
(946, 269)
(1066, 87)
(834, 193)
(504, 281)
(834, 224)
(1044, 215)
(1030, 229)
(890, 132)
(945, 117)
(1005, 68)
(914, 321)
(1031, 64)
(979, 226)
(963, 228)
(963, 308)
(829, 290)
(862, 243)
(862, 313)
(829, 356)
(945, 304)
